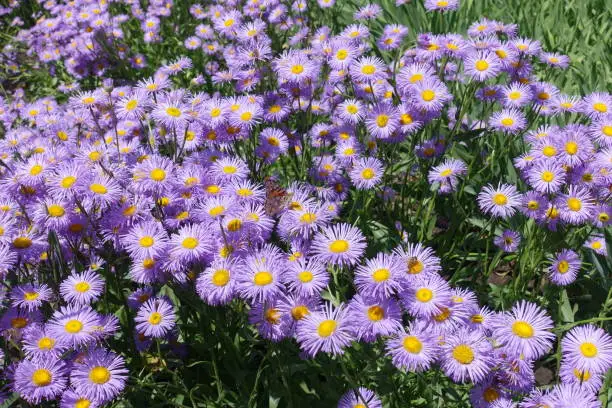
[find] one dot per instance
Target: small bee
(412, 263)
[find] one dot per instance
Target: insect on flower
(277, 197)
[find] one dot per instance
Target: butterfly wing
(277, 197)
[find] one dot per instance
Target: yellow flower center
(308, 218)
(42, 377)
(326, 328)
(22, 242)
(297, 69)
(99, 375)
(299, 312)
(490, 394)
(582, 375)
(514, 95)
(368, 69)
(547, 176)
(36, 169)
(368, 174)
(381, 275)
(415, 266)
(158, 174)
(607, 130)
(174, 112)
(600, 107)
(272, 315)
(376, 313)
(477, 318)
(155, 318)
(481, 65)
(82, 403)
(82, 287)
(98, 188)
(428, 95)
(412, 344)
(500, 199)
(463, 354)
(220, 277)
(522, 329)
(549, 151)
(339, 246)
(574, 204)
(246, 116)
(507, 121)
(216, 210)
(305, 276)
(263, 278)
(229, 169)
(571, 148)
(190, 243)
(46, 343)
(146, 241)
(382, 120)
(424, 295)
(131, 105)
(73, 326)
(588, 349)
(30, 296)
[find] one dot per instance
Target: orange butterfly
(277, 197)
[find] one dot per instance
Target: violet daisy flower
(101, 376)
(565, 267)
(441, 5)
(270, 321)
(366, 173)
(361, 397)
(597, 243)
(576, 206)
(217, 284)
(38, 342)
(499, 202)
(41, 379)
(374, 317)
(340, 244)
(155, 318)
(327, 330)
(466, 355)
(508, 241)
(508, 120)
(414, 350)
(546, 176)
(482, 65)
(582, 378)
(589, 348)
(379, 277)
(430, 95)
(260, 281)
(525, 331)
(74, 326)
(30, 296)
(306, 277)
(427, 296)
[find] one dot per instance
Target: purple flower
(155, 318)
(565, 267)
(100, 376)
(525, 331)
(499, 202)
(41, 379)
(328, 330)
(466, 355)
(508, 241)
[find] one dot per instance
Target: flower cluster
(131, 189)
